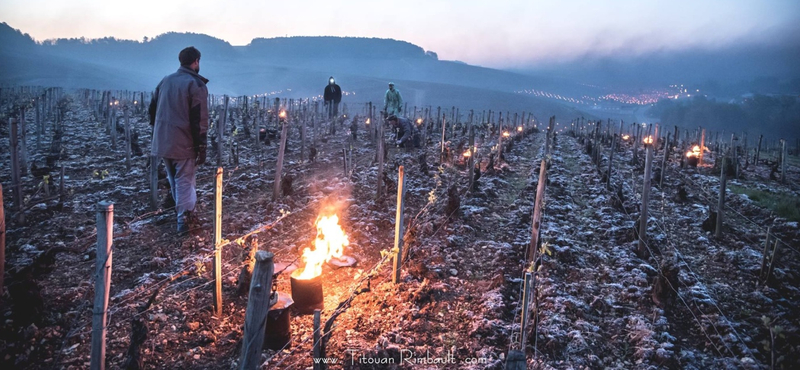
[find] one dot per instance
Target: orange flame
(626, 137)
(282, 114)
(419, 121)
(519, 129)
(330, 243)
(506, 134)
(468, 154)
(695, 152)
(367, 120)
(648, 140)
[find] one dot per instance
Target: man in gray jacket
(179, 115)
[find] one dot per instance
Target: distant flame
(648, 140)
(519, 129)
(282, 114)
(419, 121)
(468, 154)
(367, 120)
(506, 134)
(695, 152)
(626, 137)
(330, 243)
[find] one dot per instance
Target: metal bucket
(279, 330)
(306, 293)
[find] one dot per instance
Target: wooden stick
(276, 191)
(721, 203)
(772, 261)
(102, 284)
(16, 180)
(154, 182)
(381, 143)
(783, 161)
(758, 150)
(399, 227)
(317, 351)
(217, 242)
(471, 162)
(764, 255)
(526, 293)
(2, 239)
(221, 122)
(648, 167)
(23, 144)
(127, 139)
(537, 214)
(255, 324)
(444, 132)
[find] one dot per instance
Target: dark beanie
(188, 55)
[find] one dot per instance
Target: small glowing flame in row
(330, 243)
(626, 137)
(648, 140)
(468, 154)
(506, 134)
(695, 152)
(367, 120)
(419, 121)
(282, 114)
(519, 129)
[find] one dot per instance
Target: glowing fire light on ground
(282, 114)
(367, 120)
(468, 154)
(506, 134)
(330, 243)
(626, 137)
(648, 140)
(519, 129)
(419, 121)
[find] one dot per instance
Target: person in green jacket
(392, 102)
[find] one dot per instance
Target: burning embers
(306, 282)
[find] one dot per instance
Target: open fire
(330, 243)
(695, 152)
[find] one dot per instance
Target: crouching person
(406, 134)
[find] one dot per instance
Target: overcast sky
(500, 33)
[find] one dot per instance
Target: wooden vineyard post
(399, 227)
(221, 131)
(444, 131)
(102, 283)
(664, 162)
(702, 148)
(381, 143)
(112, 126)
(2, 239)
(758, 150)
(764, 255)
(317, 347)
(526, 297)
(16, 179)
(471, 162)
(127, 139)
(537, 214)
(217, 243)
(303, 137)
(154, 182)
(23, 144)
(721, 202)
(772, 261)
(255, 323)
(783, 161)
(610, 161)
(276, 191)
(648, 168)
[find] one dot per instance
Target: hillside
(294, 67)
